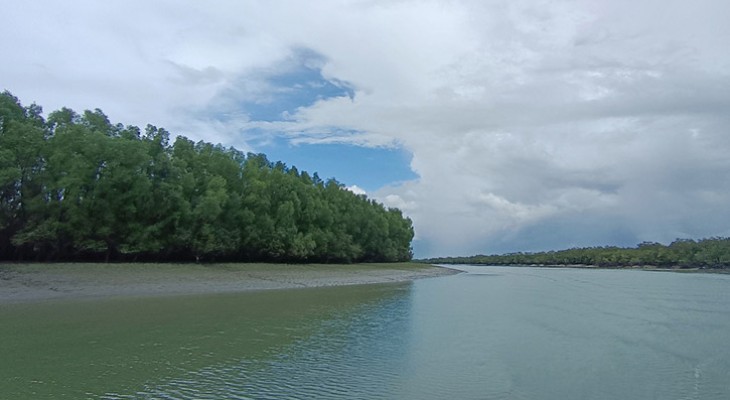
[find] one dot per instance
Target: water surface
(490, 333)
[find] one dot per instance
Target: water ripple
(531, 334)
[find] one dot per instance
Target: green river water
(489, 333)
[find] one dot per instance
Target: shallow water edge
(48, 282)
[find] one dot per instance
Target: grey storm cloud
(532, 124)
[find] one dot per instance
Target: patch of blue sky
(368, 168)
(300, 83)
(299, 86)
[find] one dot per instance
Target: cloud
(356, 189)
(531, 124)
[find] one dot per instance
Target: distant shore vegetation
(77, 187)
(682, 253)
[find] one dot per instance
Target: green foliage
(682, 253)
(77, 187)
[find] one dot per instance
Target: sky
(495, 125)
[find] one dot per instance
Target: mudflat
(34, 282)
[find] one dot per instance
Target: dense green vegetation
(77, 187)
(682, 253)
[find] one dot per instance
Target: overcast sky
(497, 126)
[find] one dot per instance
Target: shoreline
(37, 282)
(650, 268)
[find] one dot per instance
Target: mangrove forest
(682, 253)
(78, 187)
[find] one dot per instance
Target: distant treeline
(76, 187)
(682, 253)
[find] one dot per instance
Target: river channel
(488, 333)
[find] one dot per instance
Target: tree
(79, 187)
(22, 135)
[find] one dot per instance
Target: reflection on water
(355, 354)
(113, 348)
(491, 333)
(571, 334)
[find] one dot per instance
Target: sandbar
(22, 283)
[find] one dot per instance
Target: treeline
(77, 187)
(682, 253)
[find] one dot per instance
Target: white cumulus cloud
(356, 189)
(532, 124)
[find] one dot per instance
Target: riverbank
(590, 266)
(40, 282)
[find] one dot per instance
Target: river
(488, 333)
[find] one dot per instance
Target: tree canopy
(682, 253)
(77, 187)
